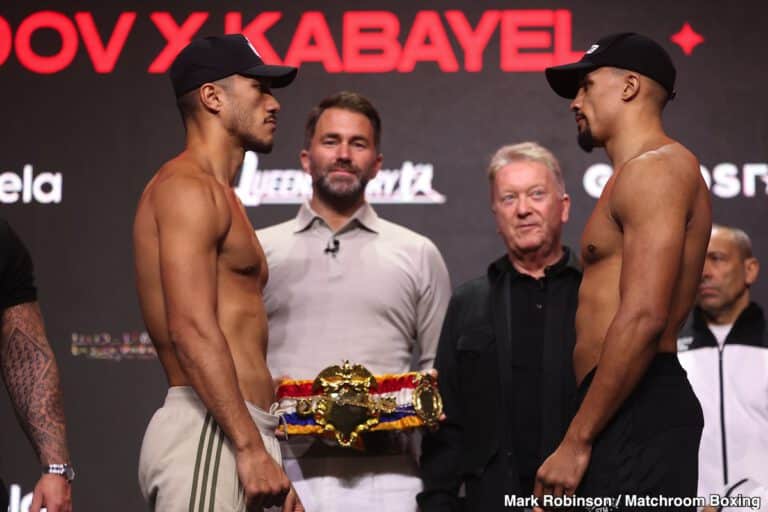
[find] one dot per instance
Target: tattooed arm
(32, 379)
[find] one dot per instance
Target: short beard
(259, 146)
(585, 139)
(244, 119)
(341, 198)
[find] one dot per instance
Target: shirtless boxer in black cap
(638, 426)
(200, 273)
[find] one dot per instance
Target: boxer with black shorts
(638, 425)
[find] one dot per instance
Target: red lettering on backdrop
(370, 31)
(563, 52)
(254, 31)
(177, 37)
(427, 26)
(40, 63)
(513, 40)
(312, 26)
(473, 42)
(104, 58)
(5, 40)
(530, 40)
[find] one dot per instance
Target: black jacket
(474, 360)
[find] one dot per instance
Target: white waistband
(266, 421)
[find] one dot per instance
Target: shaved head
(738, 237)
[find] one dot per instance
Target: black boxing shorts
(650, 447)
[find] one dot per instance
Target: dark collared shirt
(486, 332)
(530, 307)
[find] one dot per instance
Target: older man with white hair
(504, 356)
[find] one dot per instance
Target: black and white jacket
(732, 386)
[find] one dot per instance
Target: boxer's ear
(630, 86)
(211, 97)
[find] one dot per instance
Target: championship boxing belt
(344, 401)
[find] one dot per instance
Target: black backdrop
(84, 128)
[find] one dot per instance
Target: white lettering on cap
(593, 48)
(252, 48)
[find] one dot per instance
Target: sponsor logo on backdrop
(104, 345)
(28, 187)
(18, 503)
(726, 180)
(410, 184)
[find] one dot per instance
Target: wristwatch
(65, 470)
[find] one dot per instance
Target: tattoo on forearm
(32, 378)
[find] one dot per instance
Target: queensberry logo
(410, 184)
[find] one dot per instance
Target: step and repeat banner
(88, 115)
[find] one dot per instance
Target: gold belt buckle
(346, 402)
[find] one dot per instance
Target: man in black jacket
(504, 356)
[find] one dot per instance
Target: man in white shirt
(347, 284)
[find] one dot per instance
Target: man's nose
(576, 102)
(273, 106)
(342, 152)
(523, 206)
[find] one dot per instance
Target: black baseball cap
(626, 50)
(207, 59)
